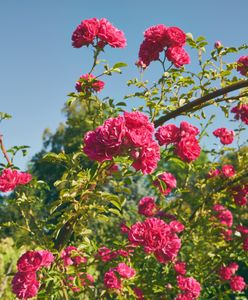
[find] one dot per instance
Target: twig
(4, 150)
(200, 101)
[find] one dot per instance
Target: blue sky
(38, 66)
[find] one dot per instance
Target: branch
(4, 150)
(200, 101)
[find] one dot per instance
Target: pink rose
(176, 226)
(224, 215)
(25, 285)
(242, 67)
(156, 34)
(85, 33)
(167, 134)
(24, 178)
(8, 180)
(111, 281)
(168, 179)
(187, 130)
(245, 244)
(71, 256)
(178, 56)
(136, 234)
(180, 267)
(188, 149)
(213, 173)
(124, 228)
(174, 36)
(30, 261)
(237, 283)
(106, 254)
(47, 258)
(189, 285)
(147, 206)
(148, 52)
(138, 293)
(111, 35)
(88, 83)
(227, 272)
(125, 271)
(226, 136)
(241, 112)
(228, 170)
(240, 195)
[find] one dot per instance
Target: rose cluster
(113, 278)
(10, 179)
(242, 66)
(100, 31)
(87, 84)
(183, 138)
(158, 38)
(105, 254)
(165, 182)
(130, 135)
(227, 273)
(24, 283)
(226, 171)
(240, 194)
(241, 112)
(244, 235)
(71, 256)
(226, 136)
(223, 215)
(190, 287)
(157, 237)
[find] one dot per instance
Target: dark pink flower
(156, 34)
(8, 180)
(111, 35)
(30, 261)
(189, 285)
(213, 173)
(148, 158)
(242, 67)
(223, 215)
(188, 149)
(228, 170)
(176, 226)
(227, 272)
(217, 44)
(124, 228)
(24, 178)
(136, 234)
(226, 136)
(138, 293)
(147, 206)
(245, 244)
(242, 229)
(168, 179)
(174, 36)
(85, 33)
(71, 256)
(47, 258)
(237, 283)
(184, 297)
(240, 195)
(188, 130)
(111, 281)
(125, 271)
(227, 233)
(106, 254)
(167, 134)
(88, 83)
(148, 52)
(25, 285)
(241, 112)
(105, 141)
(178, 56)
(180, 267)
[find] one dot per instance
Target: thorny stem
(4, 151)
(202, 100)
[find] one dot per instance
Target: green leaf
(119, 65)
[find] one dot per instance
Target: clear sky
(38, 66)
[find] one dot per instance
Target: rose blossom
(176, 226)
(111, 35)
(124, 228)
(25, 285)
(71, 256)
(147, 206)
(8, 180)
(168, 179)
(178, 56)
(85, 33)
(189, 285)
(180, 267)
(228, 170)
(184, 297)
(88, 83)
(167, 134)
(106, 254)
(188, 149)
(213, 173)
(188, 130)
(47, 258)
(111, 281)
(125, 271)
(240, 195)
(242, 67)
(227, 272)
(245, 244)
(237, 283)
(138, 293)
(226, 136)
(148, 52)
(241, 112)
(224, 215)
(175, 37)
(30, 261)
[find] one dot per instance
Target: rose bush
(129, 204)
